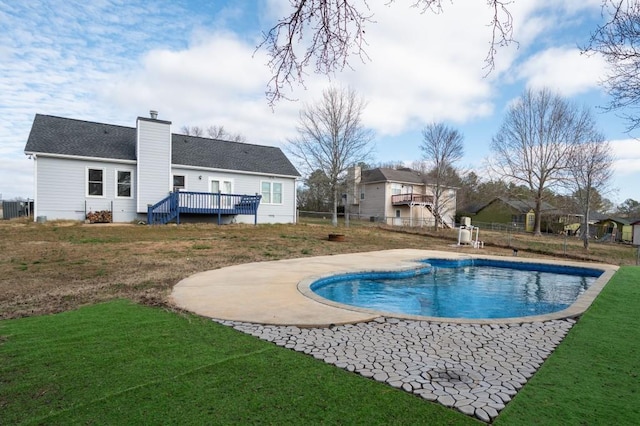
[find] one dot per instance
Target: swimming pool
(462, 288)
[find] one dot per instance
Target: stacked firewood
(103, 216)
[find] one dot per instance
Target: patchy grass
(57, 266)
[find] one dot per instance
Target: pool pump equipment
(465, 234)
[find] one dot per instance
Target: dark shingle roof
(392, 175)
(218, 154)
(64, 136)
(522, 206)
(621, 220)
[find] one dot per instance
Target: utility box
(465, 221)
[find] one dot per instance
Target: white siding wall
(153, 150)
(61, 190)
(199, 181)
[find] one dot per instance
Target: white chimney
(153, 114)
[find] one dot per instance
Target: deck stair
(205, 203)
(438, 218)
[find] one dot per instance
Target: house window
(271, 192)
(123, 183)
(276, 190)
(362, 193)
(95, 182)
(396, 189)
(179, 182)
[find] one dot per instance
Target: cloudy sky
(195, 62)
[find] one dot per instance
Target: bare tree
(390, 164)
(213, 132)
(331, 137)
(219, 132)
(590, 170)
(328, 32)
(192, 131)
(441, 148)
(618, 41)
(536, 141)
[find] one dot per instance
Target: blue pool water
(469, 288)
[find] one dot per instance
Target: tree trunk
(334, 216)
(585, 222)
(538, 217)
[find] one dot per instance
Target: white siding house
(83, 167)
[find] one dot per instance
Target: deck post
(255, 209)
(177, 206)
(219, 208)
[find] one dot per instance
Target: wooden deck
(411, 199)
(204, 203)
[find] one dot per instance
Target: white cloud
(562, 69)
(627, 154)
(217, 81)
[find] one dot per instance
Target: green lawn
(121, 363)
(593, 377)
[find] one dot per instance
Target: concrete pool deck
(276, 292)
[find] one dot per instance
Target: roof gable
(64, 136)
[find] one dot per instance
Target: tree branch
(326, 33)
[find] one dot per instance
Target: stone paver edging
(474, 368)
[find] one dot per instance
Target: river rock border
(474, 368)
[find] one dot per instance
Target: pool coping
(276, 292)
(577, 308)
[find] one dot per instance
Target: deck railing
(411, 199)
(210, 203)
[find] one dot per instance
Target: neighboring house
(516, 213)
(615, 229)
(83, 167)
(401, 197)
